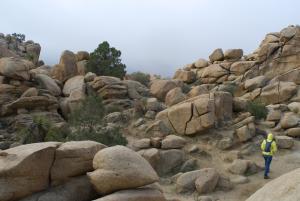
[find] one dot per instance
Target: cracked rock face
(198, 114)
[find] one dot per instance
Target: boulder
(173, 142)
(185, 76)
(239, 166)
(44, 69)
(152, 155)
(81, 67)
(240, 67)
(200, 89)
(284, 142)
(46, 82)
(233, 54)
(207, 180)
(287, 192)
(136, 90)
(66, 68)
(15, 68)
(77, 189)
(169, 161)
(274, 115)
(293, 132)
(294, 107)
(119, 168)
(73, 159)
(278, 92)
(201, 63)
(186, 181)
(89, 77)
(32, 91)
(254, 83)
(246, 132)
(142, 143)
(216, 55)
(82, 55)
(160, 88)
(289, 120)
(214, 71)
(24, 165)
(142, 194)
(174, 96)
(74, 84)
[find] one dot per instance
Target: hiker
(268, 147)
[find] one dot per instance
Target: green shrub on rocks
(257, 109)
(87, 123)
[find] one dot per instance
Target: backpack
(268, 146)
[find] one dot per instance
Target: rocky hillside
(193, 137)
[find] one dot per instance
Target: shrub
(41, 130)
(257, 109)
(140, 77)
(231, 88)
(87, 121)
(19, 37)
(105, 60)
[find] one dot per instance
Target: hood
(270, 137)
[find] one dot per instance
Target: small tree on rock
(105, 60)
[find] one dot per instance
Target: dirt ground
(284, 161)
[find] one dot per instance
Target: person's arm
(263, 145)
(274, 147)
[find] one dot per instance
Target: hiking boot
(266, 177)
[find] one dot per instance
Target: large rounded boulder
(284, 188)
(119, 168)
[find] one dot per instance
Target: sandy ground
(284, 161)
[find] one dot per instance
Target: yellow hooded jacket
(273, 145)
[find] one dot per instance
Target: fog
(155, 36)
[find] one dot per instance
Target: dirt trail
(284, 161)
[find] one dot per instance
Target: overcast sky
(155, 36)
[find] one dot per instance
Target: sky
(155, 36)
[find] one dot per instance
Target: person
(268, 147)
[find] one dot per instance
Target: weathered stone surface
(293, 132)
(89, 77)
(15, 68)
(118, 168)
(151, 155)
(278, 92)
(255, 83)
(32, 91)
(136, 90)
(233, 54)
(44, 69)
(216, 55)
(200, 89)
(214, 71)
(199, 113)
(185, 76)
(82, 55)
(109, 87)
(66, 68)
(186, 181)
(170, 160)
(46, 82)
(294, 107)
(174, 96)
(239, 166)
(135, 195)
(73, 159)
(201, 63)
(77, 189)
(173, 142)
(160, 88)
(287, 192)
(246, 132)
(289, 120)
(74, 84)
(24, 165)
(81, 67)
(142, 143)
(207, 181)
(284, 142)
(274, 115)
(240, 67)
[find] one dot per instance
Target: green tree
(87, 121)
(19, 37)
(106, 60)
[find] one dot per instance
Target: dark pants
(268, 160)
